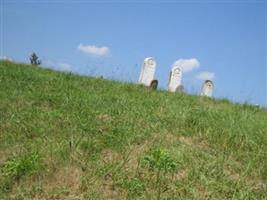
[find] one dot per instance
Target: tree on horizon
(34, 59)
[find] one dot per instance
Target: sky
(224, 41)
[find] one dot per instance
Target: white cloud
(187, 65)
(93, 50)
(64, 66)
(6, 58)
(58, 65)
(206, 76)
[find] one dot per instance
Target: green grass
(64, 136)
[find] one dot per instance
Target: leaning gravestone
(207, 88)
(147, 72)
(175, 79)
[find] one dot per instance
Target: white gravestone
(207, 88)
(175, 80)
(147, 72)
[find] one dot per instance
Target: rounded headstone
(207, 88)
(175, 79)
(147, 71)
(154, 84)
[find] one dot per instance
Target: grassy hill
(64, 136)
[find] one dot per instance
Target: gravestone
(180, 89)
(154, 84)
(175, 80)
(147, 72)
(207, 88)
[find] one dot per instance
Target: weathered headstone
(175, 79)
(154, 84)
(148, 72)
(180, 89)
(207, 88)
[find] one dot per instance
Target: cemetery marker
(175, 80)
(147, 73)
(207, 88)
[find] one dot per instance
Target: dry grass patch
(63, 184)
(194, 141)
(104, 117)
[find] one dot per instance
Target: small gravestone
(180, 89)
(207, 88)
(147, 73)
(175, 79)
(154, 84)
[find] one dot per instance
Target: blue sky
(226, 40)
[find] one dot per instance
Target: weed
(22, 165)
(160, 162)
(135, 187)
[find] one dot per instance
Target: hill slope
(64, 136)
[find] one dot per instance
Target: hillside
(64, 136)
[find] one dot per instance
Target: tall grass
(92, 137)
